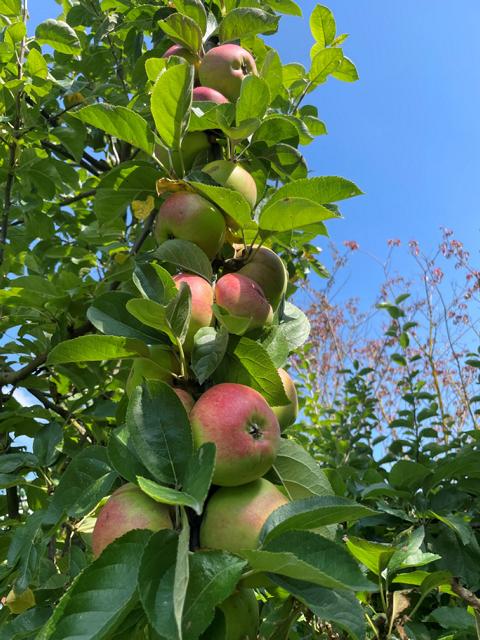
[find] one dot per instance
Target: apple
(235, 177)
(186, 399)
(158, 366)
(234, 516)
(18, 603)
(206, 94)
(244, 429)
(237, 618)
(188, 216)
(195, 147)
(223, 68)
(267, 269)
(127, 508)
(181, 52)
(287, 414)
(202, 300)
(244, 298)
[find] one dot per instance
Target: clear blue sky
(408, 132)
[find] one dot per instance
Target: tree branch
(466, 595)
(58, 409)
(79, 196)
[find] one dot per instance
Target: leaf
(243, 22)
(59, 35)
(96, 349)
(295, 326)
(36, 64)
(373, 555)
(179, 311)
(327, 61)
(109, 315)
(46, 442)
(290, 213)
(171, 102)
(209, 349)
(160, 431)
(122, 455)
(312, 513)
(339, 607)
(454, 618)
(166, 495)
(182, 572)
(253, 100)
(213, 578)
(406, 474)
(322, 190)
(151, 314)
(347, 71)
(199, 473)
(101, 596)
(195, 10)
(299, 473)
(185, 255)
(29, 622)
(231, 202)
(10, 7)
(120, 122)
(246, 362)
(87, 479)
(307, 556)
(183, 30)
(154, 283)
(288, 7)
(322, 25)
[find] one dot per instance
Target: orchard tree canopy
(157, 214)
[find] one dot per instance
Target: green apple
(235, 516)
(242, 297)
(287, 414)
(262, 265)
(195, 148)
(235, 177)
(127, 508)
(188, 216)
(243, 427)
(202, 300)
(18, 603)
(158, 366)
(237, 618)
(223, 68)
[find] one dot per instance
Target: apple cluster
(250, 287)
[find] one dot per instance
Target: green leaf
(373, 555)
(36, 64)
(347, 71)
(195, 10)
(322, 25)
(299, 473)
(322, 190)
(290, 213)
(326, 62)
(29, 622)
(199, 473)
(160, 431)
(183, 30)
(87, 479)
(295, 326)
(185, 255)
(288, 7)
(454, 618)
(46, 442)
(213, 578)
(151, 314)
(120, 122)
(244, 21)
(231, 202)
(307, 556)
(166, 495)
(171, 102)
(209, 348)
(96, 349)
(339, 607)
(182, 572)
(253, 100)
(109, 315)
(102, 595)
(406, 474)
(10, 7)
(59, 35)
(272, 73)
(154, 283)
(246, 362)
(312, 513)
(179, 311)
(122, 455)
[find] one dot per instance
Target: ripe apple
(237, 618)
(186, 399)
(223, 68)
(267, 269)
(188, 216)
(127, 508)
(287, 414)
(244, 429)
(202, 300)
(181, 52)
(206, 94)
(18, 603)
(235, 516)
(235, 177)
(243, 298)
(195, 146)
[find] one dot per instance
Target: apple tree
(157, 215)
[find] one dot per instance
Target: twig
(61, 411)
(80, 196)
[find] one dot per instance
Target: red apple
(243, 298)
(235, 177)
(186, 399)
(127, 508)
(181, 52)
(188, 216)
(205, 94)
(287, 414)
(267, 269)
(244, 429)
(223, 68)
(235, 516)
(202, 300)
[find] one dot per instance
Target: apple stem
(183, 362)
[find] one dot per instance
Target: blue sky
(407, 133)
